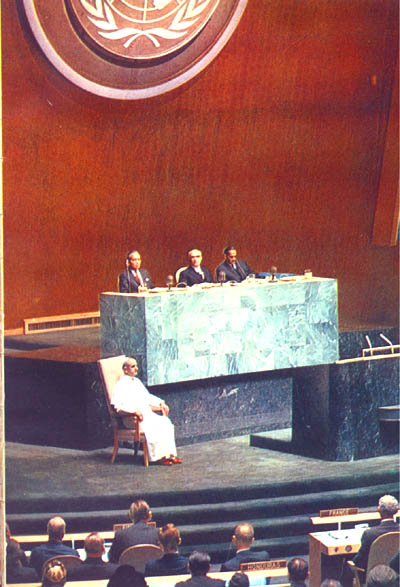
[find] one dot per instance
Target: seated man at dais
(130, 398)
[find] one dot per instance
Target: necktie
(240, 271)
(139, 277)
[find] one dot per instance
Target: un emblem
(146, 29)
(132, 49)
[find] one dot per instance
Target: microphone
(221, 277)
(169, 281)
(386, 339)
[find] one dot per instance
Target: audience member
(382, 576)
(195, 273)
(22, 556)
(298, 572)
(331, 583)
(239, 580)
(134, 279)
(54, 547)
(232, 268)
(387, 507)
(54, 574)
(130, 398)
(126, 576)
(172, 563)
(16, 561)
(139, 533)
(199, 565)
(242, 540)
(93, 567)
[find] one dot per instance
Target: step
(229, 513)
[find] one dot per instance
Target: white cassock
(130, 395)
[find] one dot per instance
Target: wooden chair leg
(115, 448)
(145, 453)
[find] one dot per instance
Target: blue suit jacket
(172, 563)
(42, 553)
(244, 556)
(129, 284)
(191, 277)
(238, 274)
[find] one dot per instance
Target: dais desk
(211, 331)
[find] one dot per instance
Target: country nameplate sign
(132, 49)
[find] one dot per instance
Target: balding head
(243, 536)
(56, 528)
(297, 569)
(94, 545)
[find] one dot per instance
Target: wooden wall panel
(276, 146)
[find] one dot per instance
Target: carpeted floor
(37, 471)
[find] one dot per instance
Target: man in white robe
(130, 397)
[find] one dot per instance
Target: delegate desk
(255, 578)
(333, 543)
(210, 331)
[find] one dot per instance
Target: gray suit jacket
(139, 533)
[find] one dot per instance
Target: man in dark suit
(134, 279)
(93, 568)
(242, 540)
(139, 533)
(232, 268)
(195, 273)
(199, 565)
(388, 508)
(172, 563)
(54, 546)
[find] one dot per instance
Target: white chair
(178, 273)
(382, 549)
(137, 556)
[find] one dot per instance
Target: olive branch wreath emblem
(101, 15)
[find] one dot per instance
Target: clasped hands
(163, 408)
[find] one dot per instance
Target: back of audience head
(169, 537)
(126, 576)
(56, 528)
(243, 535)
(388, 506)
(297, 569)
(199, 563)
(382, 576)
(94, 545)
(14, 555)
(331, 583)
(54, 574)
(139, 511)
(239, 580)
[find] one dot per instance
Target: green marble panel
(199, 333)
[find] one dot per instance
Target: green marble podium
(198, 333)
